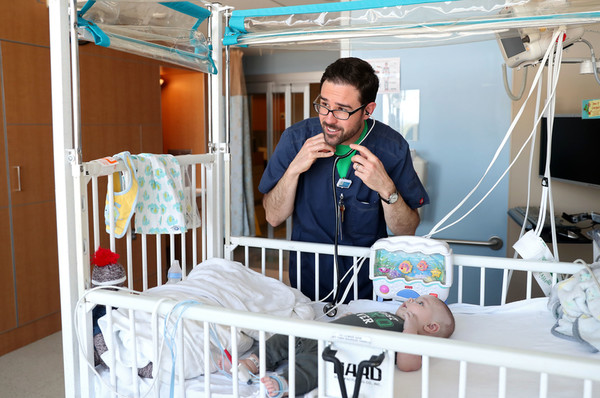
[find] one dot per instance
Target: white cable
(349, 286)
(547, 203)
(532, 136)
(531, 154)
(356, 265)
(437, 228)
(341, 280)
(558, 63)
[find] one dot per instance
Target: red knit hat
(107, 271)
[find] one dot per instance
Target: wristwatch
(391, 200)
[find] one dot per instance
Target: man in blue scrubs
(342, 172)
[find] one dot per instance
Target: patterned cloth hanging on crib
(163, 206)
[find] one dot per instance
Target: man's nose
(330, 118)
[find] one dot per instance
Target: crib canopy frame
(381, 24)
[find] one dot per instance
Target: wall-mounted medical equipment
(524, 47)
(403, 267)
(527, 46)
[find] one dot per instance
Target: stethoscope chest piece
(330, 310)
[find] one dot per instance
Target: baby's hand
(411, 324)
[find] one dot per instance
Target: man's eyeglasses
(337, 113)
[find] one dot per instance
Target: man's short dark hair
(355, 72)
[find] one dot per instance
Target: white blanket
(575, 303)
(214, 282)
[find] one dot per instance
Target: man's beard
(342, 135)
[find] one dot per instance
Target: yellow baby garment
(125, 197)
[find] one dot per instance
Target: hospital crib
(146, 259)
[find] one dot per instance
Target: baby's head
(433, 315)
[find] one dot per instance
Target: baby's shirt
(373, 320)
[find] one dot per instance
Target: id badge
(344, 183)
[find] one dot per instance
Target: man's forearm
(279, 201)
(400, 218)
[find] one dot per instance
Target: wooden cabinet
(8, 320)
(28, 222)
(24, 21)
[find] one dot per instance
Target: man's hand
(314, 148)
(399, 217)
(370, 170)
(279, 201)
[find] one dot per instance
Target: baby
(425, 315)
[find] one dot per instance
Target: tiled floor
(35, 370)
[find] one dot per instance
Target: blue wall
(464, 115)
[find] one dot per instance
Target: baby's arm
(409, 362)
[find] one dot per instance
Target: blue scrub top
(314, 217)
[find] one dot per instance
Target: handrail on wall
(494, 243)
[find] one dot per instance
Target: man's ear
(369, 109)
(432, 328)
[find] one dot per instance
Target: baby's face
(423, 308)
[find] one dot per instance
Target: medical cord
(508, 90)
(329, 309)
(168, 338)
(83, 351)
(546, 183)
(593, 56)
(437, 228)
(531, 135)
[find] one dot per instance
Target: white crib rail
(585, 370)
(462, 262)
